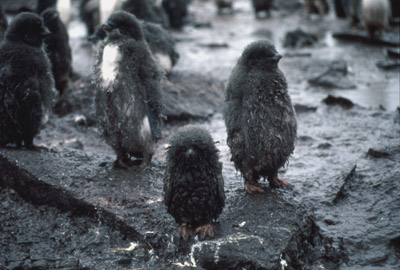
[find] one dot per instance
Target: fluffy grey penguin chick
(27, 88)
(259, 116)
(128, 101)
(193, 183)
(375, 15)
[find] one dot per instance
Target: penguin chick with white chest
(128, 101)
(259, 116)
(193, 183)
(26, 85)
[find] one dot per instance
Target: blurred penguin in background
(62, 6)
(320, 7)
(353, 10)
(161, 44)
(375, 16)
(128, 100)
(177, 11)
(262, 5)
(148, 10)
(224, 6)
(58, 49)
(3, 23)
(26, 84)
(89, 12)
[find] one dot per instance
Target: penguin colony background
(135, 53)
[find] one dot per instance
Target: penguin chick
(375, 15)
(146, 10)
(177, 11)
(224, 4)
(57, 47)
(317, 6)
(193, 184)
(3, 22)
(128, 100)
(89, 12)
(62, 6)
(262, 5)
(26, 84)
(259, 116)
(161, 44)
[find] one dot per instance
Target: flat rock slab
(253, 231)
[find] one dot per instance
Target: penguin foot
(120, 164)
(254, 187)
(184, 232)
(205, 231)
(276, 182)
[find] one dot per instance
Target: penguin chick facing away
(161, 44)
(317, 6)
(57, 47)
(375, 15)
(193, 183)
(177, 11)
(146, 10)
(26, 84)
(128, 100)
(3, 23)
(259, 116)
(262, 5)
(62, 6)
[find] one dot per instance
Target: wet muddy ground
(67, 208)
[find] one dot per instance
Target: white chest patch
(164, 61)
(109, 64)
(145, 130)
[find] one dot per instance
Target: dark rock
(377, 154)
(299, 39)
(324, 146)
(341, 101)
(388, 64)
(214, 45)
(301, 108)
(189, 96)
(363, 37)
(394, 53)
(334, 76)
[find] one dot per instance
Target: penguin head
(192, 143)
(27, 28)
(50, 17)
(99, 34)
(261, 54)
(126, 24)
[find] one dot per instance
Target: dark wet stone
(333, 76)
(40, 265)
(394, 53)
(340, 101)
(342, 193)
(202, 25)
(388, 64)
(214, 45)
(324, 146)
(189, 96)
(384, 40)
(300, 108)
(299, 39)
(377, 153)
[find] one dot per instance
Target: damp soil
(65, 207)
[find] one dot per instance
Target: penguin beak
(107, 27)
(277, 57)
(45, 32)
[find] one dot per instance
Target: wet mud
(65, 207)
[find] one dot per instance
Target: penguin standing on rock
(262, 5)
(128, 100)
(26, 85)
(375, 15)
(58, 49)
(193, 183)
(259, 116)
(177, 11)
(3, 23)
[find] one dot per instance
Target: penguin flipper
(155, 122)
